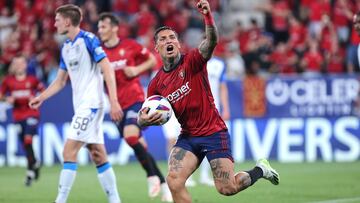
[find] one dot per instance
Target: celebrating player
(216, 69)
(17, 89)
(183, 81)
(124, 55)
(81, 55)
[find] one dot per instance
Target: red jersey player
(183, 81)
(129, 59)
(17, 88)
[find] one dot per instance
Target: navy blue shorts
(217, 145)
(29, 126)
(130, 117)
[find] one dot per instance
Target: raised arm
(207, 46)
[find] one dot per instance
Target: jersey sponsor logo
(73, 64)
(21, 93)
(179, 93)
(120, 64)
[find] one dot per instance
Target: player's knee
(69, 155)
(132, 140)
(227, 190)
(96, 156)
(174, 181)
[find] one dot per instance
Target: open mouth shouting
(170, 49)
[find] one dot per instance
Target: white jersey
(216, 72)
(79, 58)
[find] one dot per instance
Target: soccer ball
(158, 103)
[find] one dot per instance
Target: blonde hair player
(81, 56)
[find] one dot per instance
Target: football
(158, 103)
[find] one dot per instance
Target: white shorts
(172, 128)
(86, 126)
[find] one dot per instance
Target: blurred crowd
(288, 37)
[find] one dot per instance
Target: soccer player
(124, 55)
(17, 88)
(81, 56)
(216, 69)
(183, 81)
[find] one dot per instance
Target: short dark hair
(70, 11)
(161, 29)
(114, 20)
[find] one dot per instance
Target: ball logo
(162, 108)
(155, 97)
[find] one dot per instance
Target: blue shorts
(130, 117)
(29, 126)
(217, 145)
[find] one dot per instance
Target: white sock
(67, 177)
(205, 170)
(107, 180)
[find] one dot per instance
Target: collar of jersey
(76, 37)
(176, 65)
(113, 47)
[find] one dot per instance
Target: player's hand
(203, 7)
(116, 112)
(35, 102)
(10, 100)
(131, 71)
(146, 119)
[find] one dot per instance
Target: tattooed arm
(207, 46)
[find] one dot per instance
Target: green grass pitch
(300, 182)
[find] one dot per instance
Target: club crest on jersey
(182, 74)
(122, 52)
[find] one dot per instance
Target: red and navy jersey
(127, 53)
(22, 91)
(188, 90)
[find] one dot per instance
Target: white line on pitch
(344, 200)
